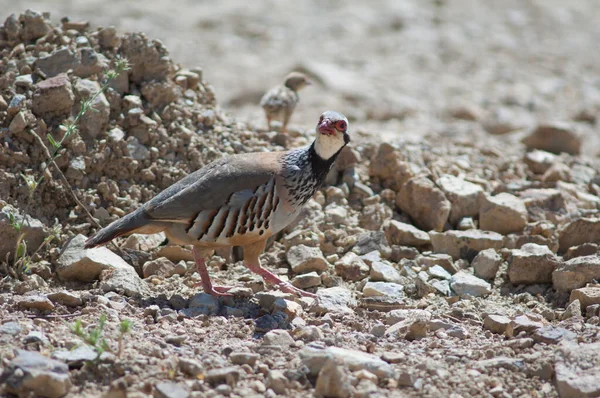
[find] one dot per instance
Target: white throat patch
(328, 145)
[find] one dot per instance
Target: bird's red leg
(205, 281)
(268, 123)
(252, 262)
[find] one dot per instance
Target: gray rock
(464, 197)
(243, 358)
(576, 272)
(539, 161)
(586, 295)
(229, 375)
(577, 232)
(532, 264)
(34, 230)
(351, 267)
(445, 261)
(555, 137)
(413, 327)
(34, 25)
(381, 271)
(124, 281)
(303, 281)
(442, 286)
(136, 150)
(170, 390)
(37, 302)
(59, 61)
(487, 263)
(93, 122)
(496, 323)
(391, 290)
(578, 370)
(334, 299)
(399, 233)
(303, 259)
(523, 323)
(277, 338)
(424, 203)
(370, 241)
(552, 335)
(465, 285)
(314, 357)
(465, 244)
(10, 329)
(190, 367)
(31, 373)
(205, 303)
(77, 357)
(333, 380)
(91, 63)
(161, 266)
(438, 272)
(573, 310)
(277, 381)
(503, 213)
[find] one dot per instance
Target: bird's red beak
(326, 127)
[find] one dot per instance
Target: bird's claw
(289, 288)
(218, 291)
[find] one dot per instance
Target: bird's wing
(278, 97)
(224, 181)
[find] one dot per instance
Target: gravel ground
(453, 249)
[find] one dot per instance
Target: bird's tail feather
(122, 226)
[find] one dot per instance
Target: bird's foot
(218, 291)
(289, 288)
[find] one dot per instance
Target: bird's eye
(320, 119)
(341, 125)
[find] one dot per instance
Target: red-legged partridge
(240, 200)
(280, 101)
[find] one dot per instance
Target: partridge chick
(240, 200)
(280, 101)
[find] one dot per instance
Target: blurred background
(393, 66)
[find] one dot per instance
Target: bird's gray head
(332, 134)
(296, 81)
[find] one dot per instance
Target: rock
(389, 168)
(315, 357)
(399, 233)
(149, 59)
(464, 197)
(77, 357)
(162, 266)
(20, 122)
(335, 300)
(373, 215)
(303, 281)
(267, 299)
(576, 272)
(53, 98)
(552, 335)
(370, 241)
(573, 310)
(190, 367)
(586, 296)
(122, 280)
(413, 327)
(465, 244)
(465, 285)
(351, 267)
(34, 230)
(578, 370)
(288, 307)
(34, 25)
(31, 373)
(532, 264)
(337, 214)
(429, 260)
(40, 303)
(277, 381)
(438, 272)
(382, 271)
(539, 161)
(424, 203)
(243, 358)
(176, 253)
(333, 380)
(10, 329)
(277, 338)
(95, 121)
(578, 232)
(144, 242)
(496, 323)
(523, 323)
(503, 213)
(555, 138)
(487, 263)
(391, 290)
(170, 390)
(205, 303)
(303, 259)
(229, 375)
(77, 263)
(92, 63)
(59, 61)
(308, 333)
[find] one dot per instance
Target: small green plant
(22, 262)
(94, 337)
